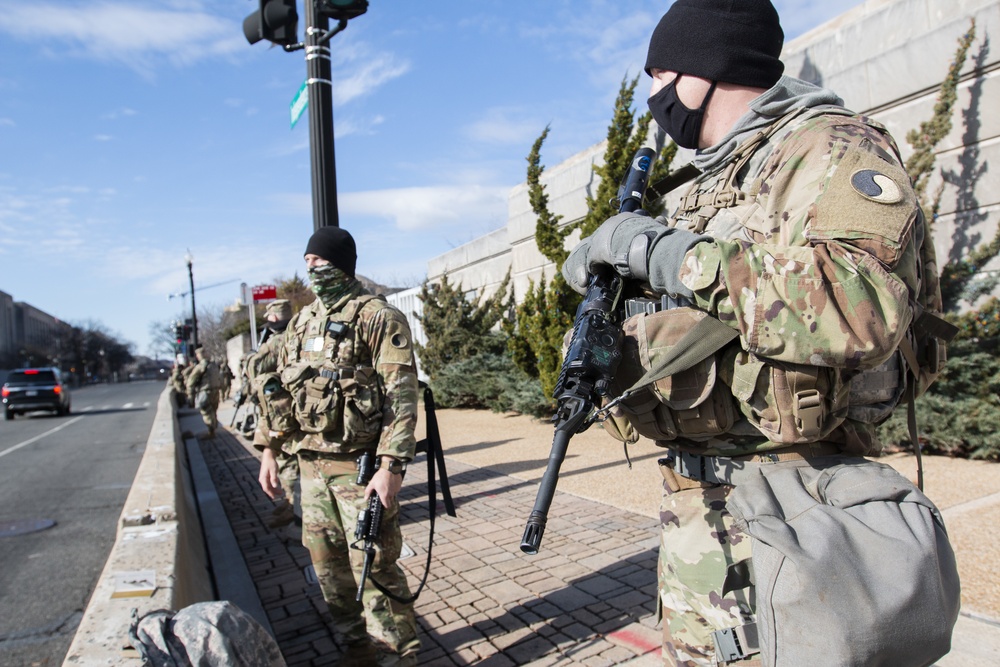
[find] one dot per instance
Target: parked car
(29, 389)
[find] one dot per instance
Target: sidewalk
(587, 597)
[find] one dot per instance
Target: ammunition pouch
(275, 404)
(693, 403)
(788, 403)
(343, 404)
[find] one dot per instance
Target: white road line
(38, 437)
(127, 406)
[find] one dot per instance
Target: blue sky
(131, 132)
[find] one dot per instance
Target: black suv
(30, 389)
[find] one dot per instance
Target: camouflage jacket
(265, 359)
(376, 343)
(204, 375)
(817, 256)
(177, 379)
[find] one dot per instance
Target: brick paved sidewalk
(587, 597)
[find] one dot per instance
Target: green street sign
(299, 103)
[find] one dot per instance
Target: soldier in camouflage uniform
(802, 233)
(205, 378)
(227, 379)
(177, 382)
(263, 361)
(347, 362)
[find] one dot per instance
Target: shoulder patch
(876, 186)
(867, 203)
(399, 340)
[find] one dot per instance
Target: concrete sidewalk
(587, 598)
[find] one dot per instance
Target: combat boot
(358, 655)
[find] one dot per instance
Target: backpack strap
(925, 326)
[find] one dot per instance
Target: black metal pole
(320, 86)
(194, 313)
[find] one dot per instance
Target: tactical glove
(637, 247)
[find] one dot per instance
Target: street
(63, 482)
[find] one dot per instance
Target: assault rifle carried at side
(369, 526)
(591, 360)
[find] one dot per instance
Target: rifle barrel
(532, 539)
(365, 570)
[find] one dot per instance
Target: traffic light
(342, 10)
(276, 21)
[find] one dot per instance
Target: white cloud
(422, 208)
(163, 271)
(103, 137)
(360, 72)
(131, 34)
(7, 122)
(504, 126)
(345, 127)
(120, 113)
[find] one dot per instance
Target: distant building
(8, 345)
(36, 333)
(28, 335)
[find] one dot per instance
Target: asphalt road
(75, 473)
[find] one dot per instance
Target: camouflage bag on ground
(203, 634)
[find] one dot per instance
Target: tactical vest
(331, 380)
(733, 402)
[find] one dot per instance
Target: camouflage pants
(696, 548)
(288, 474)
(331, 502)
(209, 413)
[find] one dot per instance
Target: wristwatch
(395, 466)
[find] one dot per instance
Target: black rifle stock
(591, 359)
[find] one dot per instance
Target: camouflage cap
(280, 309)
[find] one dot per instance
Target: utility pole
(320, 87)
(194, 313)
(276, 21)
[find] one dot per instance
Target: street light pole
(194, 314)
(319, 82)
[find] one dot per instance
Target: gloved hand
(637, 247)
(610, 245)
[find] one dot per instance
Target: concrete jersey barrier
(158, 560)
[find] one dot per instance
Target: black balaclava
(732, 41)
(332, 281)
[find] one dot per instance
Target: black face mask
(682, 124)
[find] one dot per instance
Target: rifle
(369, 521)
(367, 531)
(241, 397)
(591, 360)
